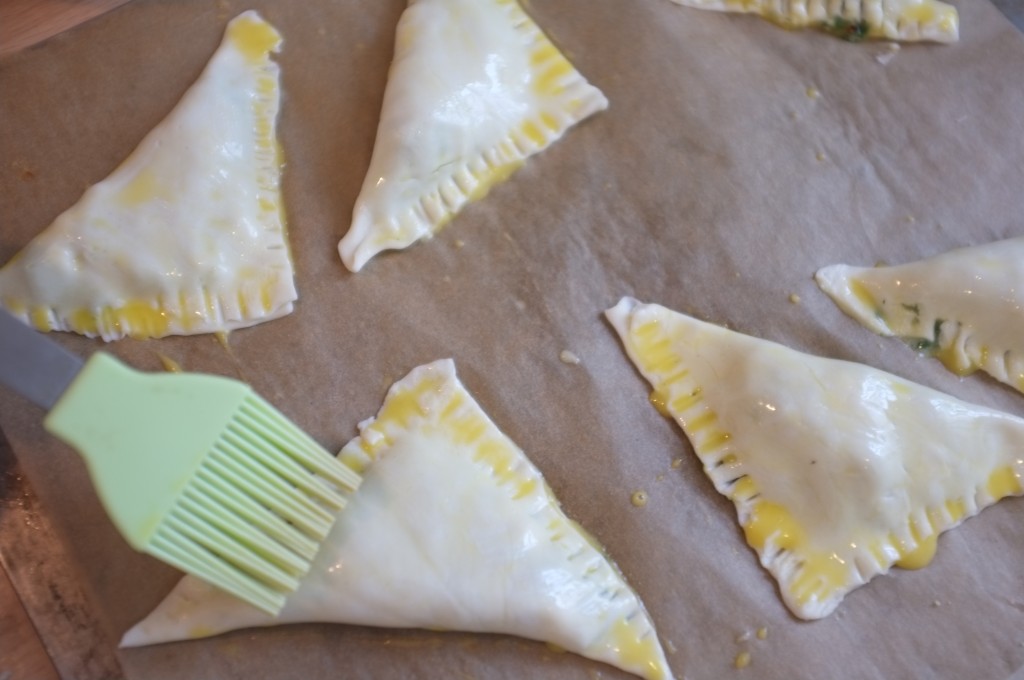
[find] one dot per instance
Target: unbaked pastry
(907, 20)
(964, 306)
(452, 528)
(475, 88)
(187, 235)
(838, 471)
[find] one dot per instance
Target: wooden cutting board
(24, 23)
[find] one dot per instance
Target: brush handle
(33, 366)
(142, 435)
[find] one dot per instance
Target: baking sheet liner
(736, 159)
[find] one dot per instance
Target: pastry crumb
(568, 357)
(677, 463)
(794, 298)
(26, 173)
(887, 54)
(762, 633)
(639, 498)
(743, 637)
(459, 243)
(813, 93)
(936, 603)
(742, 660)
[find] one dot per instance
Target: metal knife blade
(1014, 11)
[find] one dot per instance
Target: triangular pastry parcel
(453, 528)
(187, 235)
(838, 471)
(906, 20)
(475, 88)
(964, 306)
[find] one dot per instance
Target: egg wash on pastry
(474, 89)
(188, 234)
(905, 20)
(838, 471)
(453, 528)
(966, 307)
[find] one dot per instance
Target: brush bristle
(270, 425)
(253, 515)
(196, 557)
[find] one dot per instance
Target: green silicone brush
(195, 470)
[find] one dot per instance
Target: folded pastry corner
(453, 528)
(904, 20)
(188, 234)
(963, 306)
(838, 471)
(475, 88)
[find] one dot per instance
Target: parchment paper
(701, 188)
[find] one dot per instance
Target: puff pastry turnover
(187, 235)
(964, 306)
(906, 20)
(838, 471)
(475, 88)
(453, 528)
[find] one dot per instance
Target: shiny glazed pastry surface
(904, 20)
(453, 528)
(188, 234)
(838, 471)
(966, 306)
(475, 88)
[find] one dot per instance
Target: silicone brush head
(202, 473)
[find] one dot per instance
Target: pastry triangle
(475, 88)
(187, 235)
(963, 306)
(453, 528)
(906, 20)
(838, 471)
